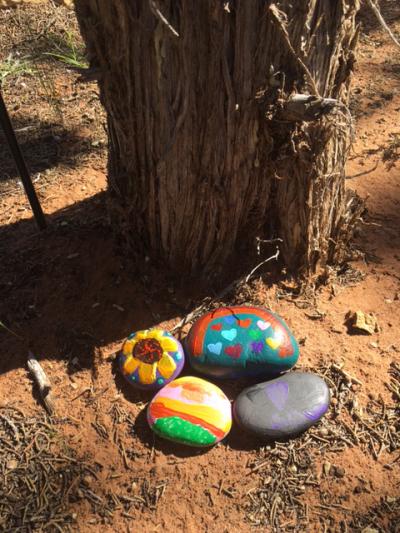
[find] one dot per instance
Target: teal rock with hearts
(233, 342)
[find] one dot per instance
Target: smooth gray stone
(282, 407)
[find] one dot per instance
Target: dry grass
(391, 153)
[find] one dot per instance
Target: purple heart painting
(315, 412)
(278, 392)
(283, 407)
(257, 346)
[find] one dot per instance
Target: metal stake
(20, 164)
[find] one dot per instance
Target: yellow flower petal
(147, 373)
(166, 366)
(128, 346)
(155, 334)
(140, 335)
(130, 365)
(168, 344)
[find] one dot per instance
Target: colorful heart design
(229, 334)
(215, 348)
(286, 350)
(273, 343)
(263, 325)
(257, 347)
(234, 351)
(255, 334)
(244, 323)
(278, 393)
(229, 319)
(216, 327)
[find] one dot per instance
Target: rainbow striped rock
(190, 411)
(151, 358)
(234, 342)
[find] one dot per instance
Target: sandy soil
(73, 298)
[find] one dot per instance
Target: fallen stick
(42, 382)
(382, 21)
(346, 374)
(234, 285)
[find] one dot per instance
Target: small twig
(157, 12)
(275, 256)
(364, 173)
(42, 382)
(10, 331)
(276, 14)
(382, 21)
(306, 108)
(346, 374)
(232, 286)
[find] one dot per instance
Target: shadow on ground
(44, 145)
(73, 284)
(390, 10)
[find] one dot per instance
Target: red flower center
(148, 351)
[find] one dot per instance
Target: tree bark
(206, 151)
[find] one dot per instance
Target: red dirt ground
(73, 297)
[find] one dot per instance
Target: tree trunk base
(227, 121)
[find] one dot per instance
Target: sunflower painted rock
(151, 358)
(282, 407)
(190, 411)
(235, 342)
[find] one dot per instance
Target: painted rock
(151, 358)
(233, 342)
(282, 407)
(190, 411)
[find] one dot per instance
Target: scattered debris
(41, 476)
(371, 521)
(362, 322)
(276, 502)
(317, 314)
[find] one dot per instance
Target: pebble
(339, 471)
(238, 341)
(327, 468)
(87, 480)
(190, 411)
(282, 407)
(151, 358)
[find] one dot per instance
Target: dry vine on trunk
(226, 120)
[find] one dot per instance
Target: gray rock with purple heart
(282, 407)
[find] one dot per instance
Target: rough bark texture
(201, 156)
